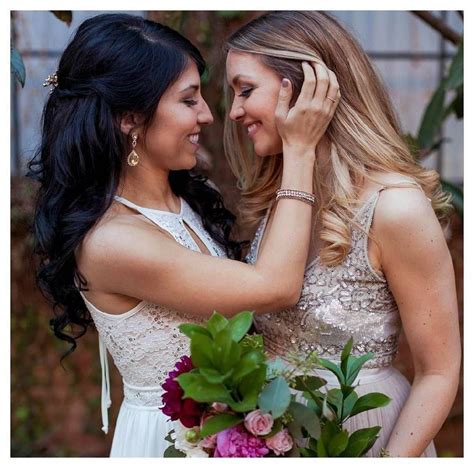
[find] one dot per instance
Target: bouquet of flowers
(228, 400)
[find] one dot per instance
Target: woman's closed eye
(246, 92)
(190, 102)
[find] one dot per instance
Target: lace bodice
(145, 342)
(350, 299)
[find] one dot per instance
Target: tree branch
(438, 24)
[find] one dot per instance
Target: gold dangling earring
(133, 158)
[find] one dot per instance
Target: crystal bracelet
(305, 197)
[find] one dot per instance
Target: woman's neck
(148, 187)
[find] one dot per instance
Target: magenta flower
(237, 442)
(187, 411)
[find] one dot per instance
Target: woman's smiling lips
(253, 128)
(194, 138)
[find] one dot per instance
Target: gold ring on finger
(331, 99)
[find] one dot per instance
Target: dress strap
(128, 203)
(105, 397)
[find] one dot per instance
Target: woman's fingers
(309, 85)
(284, 99)
(323, 82)
(333, 93)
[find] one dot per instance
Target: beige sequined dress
(351, 299)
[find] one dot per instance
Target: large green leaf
(354, 366)
(335, 399)
(191, 329)
(219, 423)
(195, 386)
(303, 417)
(361, 441)
(308, 382)
(370, 401)
(17, 66)
(240, 324)
(275, 397)
(216, 323)
(226, 352)
(349, 402)
(252, 383)
(334, 368)
(345, 354)
(213, 376)
(432, 118)
(202, 351)
(456, 70)
(248, 363)
(338, 443)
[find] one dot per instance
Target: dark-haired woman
(128, 236)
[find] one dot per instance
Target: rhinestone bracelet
(305, 197)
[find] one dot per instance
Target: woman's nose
(205, 116)
(236, 111)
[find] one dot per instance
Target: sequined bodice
(350, 299)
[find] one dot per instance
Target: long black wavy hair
(116, 63)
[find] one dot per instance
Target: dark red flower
(187, 411)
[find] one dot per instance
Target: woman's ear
(128, 122)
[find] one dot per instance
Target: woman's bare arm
(419, 270)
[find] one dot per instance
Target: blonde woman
(378, 258)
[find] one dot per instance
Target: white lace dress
(145, 344)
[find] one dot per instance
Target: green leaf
(172, 452)
(168, 438)
(361, 441)
(349, 402)
(248, 363)
(195, 386)
(305, 452)
(458, 196)
(335, 398)
(327, 411)
(354, 366)
(308, 382)
(226, 352)
(303, 417)
(338, 443)
(275, 397)
(240, 324)
(17, 66)
(219, 423)
(329, 365)
(251, 385)
(321, 449)
(345, 354)
(213, 376)
(216, 323)
(202, 351)
(432, 118)
(248, 403)
(370, 401)
(190, 329)
(329, 430)
(456, 70)
(64, 16)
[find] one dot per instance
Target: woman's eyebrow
(194, 87)
(240, 77)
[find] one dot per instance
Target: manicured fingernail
(285, 83)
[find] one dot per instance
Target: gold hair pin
(52, 81)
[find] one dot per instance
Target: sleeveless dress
(350, 299)
(145, 344)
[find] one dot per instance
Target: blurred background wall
(55, 411)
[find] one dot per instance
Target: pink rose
(280, 443)
(258, 424)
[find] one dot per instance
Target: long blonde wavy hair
(364, 133)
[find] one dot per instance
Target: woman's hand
(303, 126)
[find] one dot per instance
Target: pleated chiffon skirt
(392, 383)
(140, 432)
